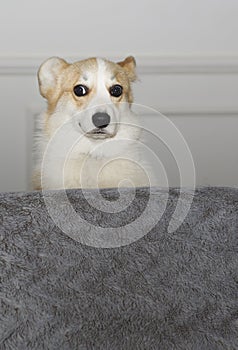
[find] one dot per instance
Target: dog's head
(95, 92)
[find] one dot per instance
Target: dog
(88, 137)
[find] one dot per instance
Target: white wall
(148, 27)
(187, 56)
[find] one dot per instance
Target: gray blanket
(176, 290)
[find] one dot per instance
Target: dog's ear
(129, 65)
(48, 75)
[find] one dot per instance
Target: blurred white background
(187, 55)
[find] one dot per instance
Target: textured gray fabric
(165, 291)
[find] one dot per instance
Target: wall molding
(32, 111)
(146, 64)
(191, 112)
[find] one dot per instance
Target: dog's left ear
(49, 76)
(129, 65)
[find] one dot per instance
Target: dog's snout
(101, 120)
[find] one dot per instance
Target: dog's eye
(80, 90)
(116, 90)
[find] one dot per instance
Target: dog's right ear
(129, 65)
(49, 74)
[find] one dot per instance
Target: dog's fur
(90, 160)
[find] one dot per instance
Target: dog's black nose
(101, 120)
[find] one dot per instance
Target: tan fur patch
(124, 79)
(68, 77)
(36, 180)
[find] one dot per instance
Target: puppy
(88, 137)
